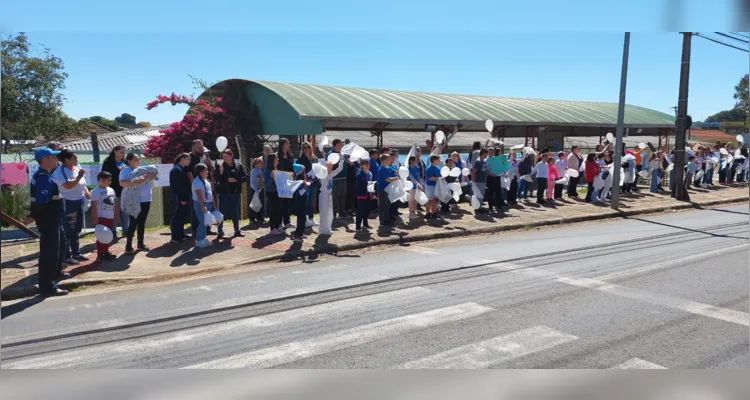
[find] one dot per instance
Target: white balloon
(456, 172)
(642, 146)
(465, 172)
(715, 160)
(218, 217)
(572, 173)
(221, 143)
(643, 174)
(334, 158)
(323, 142)
(445, 172)
(610, 137)
(348, 149)
(439, 137)
(454, 186)
(409, 185)
(103, 234)
(723, 151)
(320, 171)
(403, 172)
(475, 203)
(489, 125)
(209, 219)
(740, 138)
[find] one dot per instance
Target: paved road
(667, 291)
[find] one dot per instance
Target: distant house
(132, 139)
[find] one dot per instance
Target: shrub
(14, 201)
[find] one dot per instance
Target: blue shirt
(254, 175)
(383, 174)
(482, 171)
(268, 183)
(374, 166)
(432, 171)
(414, 175)
(46, 203)
(361, 186)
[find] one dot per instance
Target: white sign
(285, 187)
(164, 170)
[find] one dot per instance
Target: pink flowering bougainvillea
(204, 120)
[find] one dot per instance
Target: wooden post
(18, 224)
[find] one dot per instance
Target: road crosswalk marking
(348, 338)
(493, 351)
(637, 363)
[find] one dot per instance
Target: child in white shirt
(104, 212)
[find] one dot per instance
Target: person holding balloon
(364, 177)
(414, 179)
(433, 176)
(229, 178)
(202, 203)
(299, 202)
(105, 213)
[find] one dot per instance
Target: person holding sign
(274, 202)
(299, 203)
(202, 202)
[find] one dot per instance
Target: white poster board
(164, 170)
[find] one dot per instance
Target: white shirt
(541, 170)
(144, 189)
(208, 195)
(105, 202)
(63, 175)
(561, 166)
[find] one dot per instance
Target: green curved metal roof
(343, 103)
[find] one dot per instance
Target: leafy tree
(31, 96)
(144, 124)
(108, 123)
(741, 95)
(735, 114)
(125, 119)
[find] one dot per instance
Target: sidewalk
(169, 261)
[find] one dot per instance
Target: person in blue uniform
(47, 210)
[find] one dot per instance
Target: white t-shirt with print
(63, 175)
(144, 189)
(198, 184)
(105, 202)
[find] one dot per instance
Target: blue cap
(44, 152)
(298, 169)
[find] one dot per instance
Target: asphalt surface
(666, 291)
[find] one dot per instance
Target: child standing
(386, 175)
(104, 212)
(433, 176)
(202, 202)
(692, 167)
(299, 202)
(561, 165)
(325, 201)
(591, 172)
(364, 177)
(414, 179)
(451, 204)
(553, 176)
(479, 174)
(256, 185)
(541, 170)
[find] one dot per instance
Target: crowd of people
(338, 185)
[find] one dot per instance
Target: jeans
(655, 175)
(72, 225)
(363, 211)
(274, 209)
(708, 176)
(384, 208)
(590, 195)
(229, 205)
(312, 199)
(194, 220)
(523, 189)
(179, 213)
(124, 219)
(339, 197)
(52, 240)
(103, 248)
(138, 223)
(541, 186)
(200, 233)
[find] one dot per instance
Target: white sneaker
(314, 222)
(309, 223)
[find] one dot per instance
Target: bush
(14, 201)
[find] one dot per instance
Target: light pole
(620, 124)
(679, 190)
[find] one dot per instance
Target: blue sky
(119, 56)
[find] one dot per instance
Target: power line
(722, 43)
(741, 34)
(732, 37)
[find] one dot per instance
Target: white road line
(693, 307)
(637, 363)
(502, 348)
(143, 347)
(420, 250)
(289, 352)
(670, 263)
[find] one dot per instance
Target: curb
(16, 293)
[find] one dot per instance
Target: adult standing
(306, 159)
(198, 155)
(181, 196)
(286, 164)
(47, 209)
(115, 162)
(229, 178)
(143, 191)
(69, 178)
(339, 181)
(575, 162)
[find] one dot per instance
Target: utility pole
(620, 122)
(679, 190)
